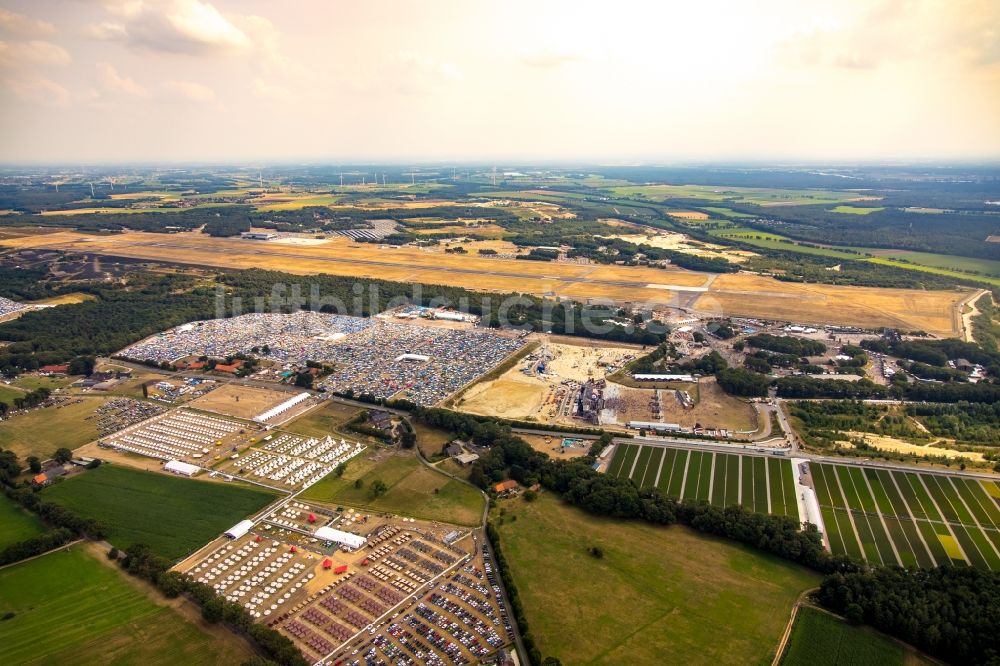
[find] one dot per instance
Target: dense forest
(950, 613)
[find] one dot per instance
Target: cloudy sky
(324, 80)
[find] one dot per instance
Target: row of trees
(786, 344)
(511, 457)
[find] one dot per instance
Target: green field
(856, 210)
(820, 639)
(32, 382)
(726, 212)
(431, 441)
(945, 261)
(777, 242)
(323, 421)
(744, 195)
(908, 518)
(658, 595)
(16, 524)
(7, 394)
(762, 484)
(926, 262)
(174, 516)
(69, 608)
(415, 490)
(40, 432)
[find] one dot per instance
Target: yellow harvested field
(492, 230)
(870, 307)
(885, 443)
(688, 214)
(730, 294)
(509, 398)
(66, 299)
(243, 402)
(645, 275)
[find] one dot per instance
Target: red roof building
(327, 563)
(504, 486)
(231, 368)
(54, 369)
(341, 569)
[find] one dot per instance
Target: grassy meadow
(820, 639)
(414, 490)
(69, 608)
(40, 432)
(658, 594)
(173, 515)
(16, 524)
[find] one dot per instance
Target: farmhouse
(505, 486)
(467, 458)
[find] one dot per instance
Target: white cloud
(268, 90)
(112, 81)
(20, 25)
(410, 72)
(40, 91)
(189, 90)
(34, 52)
(171, 26)
(549, 58)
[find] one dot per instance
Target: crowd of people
(365, 353)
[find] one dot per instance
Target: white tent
(239, 529)
(182, 468)
(338, 536)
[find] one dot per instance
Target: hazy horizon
(226, 82)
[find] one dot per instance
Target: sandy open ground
(243, 402)
(517, 395)
(730, 294)
(900, 446)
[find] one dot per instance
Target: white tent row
(648, 377)
(283, 407)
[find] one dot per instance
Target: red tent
(312, 517)
(365, 562)
(327, 563)
(341, 569)
(258, 539)
(294, 549)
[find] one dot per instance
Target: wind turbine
(494, 176)
(260, 175)
(92, 195)
(341, 180)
